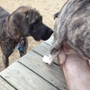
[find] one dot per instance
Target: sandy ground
(47, 8)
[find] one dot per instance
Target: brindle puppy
(16, 27)
(73, 26)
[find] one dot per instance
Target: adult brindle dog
(16, 27)
(72, 26)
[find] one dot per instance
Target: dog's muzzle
(47, 34)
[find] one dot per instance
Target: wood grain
(24, 79)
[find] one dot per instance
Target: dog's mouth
(37, 39)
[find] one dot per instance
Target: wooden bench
(31, 73)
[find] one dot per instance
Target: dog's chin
(45, 38)
(36, 39)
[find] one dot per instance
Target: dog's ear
(31, 14)
(24, 18)
(56, 15)
(18, 20)
(20, 15)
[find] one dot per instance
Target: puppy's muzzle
(47, 34)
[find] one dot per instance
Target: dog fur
(72, 26)
(16, 27)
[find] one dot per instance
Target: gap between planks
(7, 84)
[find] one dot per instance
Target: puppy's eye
(36, 22)
(27, 16)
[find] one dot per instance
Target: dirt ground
(47, 8)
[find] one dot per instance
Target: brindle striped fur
(73, 26)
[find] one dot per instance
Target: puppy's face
(38, 30)
(28, 22)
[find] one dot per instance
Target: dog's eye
(27, 17)
(36, 22)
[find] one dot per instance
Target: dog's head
(28, 22)
(38, 29)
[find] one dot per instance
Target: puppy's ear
(19, 15)
(56, 15)
(17, 19)
(24, 14)
(31, 14)
(14, 21)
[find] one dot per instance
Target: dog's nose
(50, 32)
(47, 34)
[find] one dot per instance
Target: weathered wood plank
(4, 85)
(24, 79)
(43, 49)
(51, 73)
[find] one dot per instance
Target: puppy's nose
(50, 32)
(47, 34)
